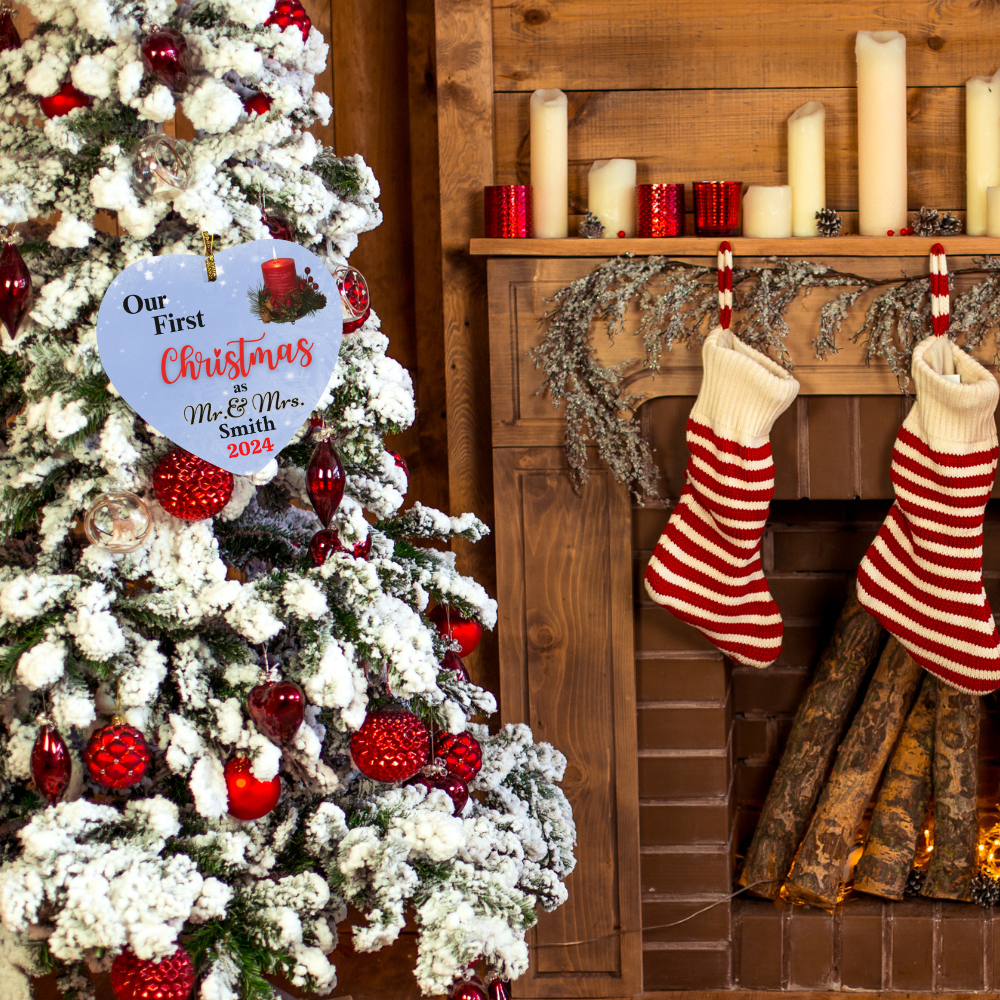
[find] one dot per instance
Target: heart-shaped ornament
(228, 369)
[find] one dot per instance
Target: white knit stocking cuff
(952, 416)
(742, 391)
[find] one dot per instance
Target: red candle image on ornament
(285, 296)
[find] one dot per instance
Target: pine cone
(926, 222)
(985, 890)
(592, 228)
(915, 881)
(828, 222)
(949, 225)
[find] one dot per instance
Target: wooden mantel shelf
(703, 246)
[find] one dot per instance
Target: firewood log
(956, 778)
(818, 869)
(898, 820)
(818, 727)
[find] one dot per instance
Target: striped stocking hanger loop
(725, 285)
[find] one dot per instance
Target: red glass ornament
(499, 989)
(323, 543)
(451, 625)
(259, 104)
(277, 708)
(460, 753)
(659, 210)
(390, 745)
(164, 54)
(471, 988)
(325, 481)
(248, 797)
(15, 289)
(355, 302)
(432, 777)
(287, 13)
(401, 464)
(189, 487)
(63, 101)
(117, 756)
(508, 211)
(50, 764)
(9, 37)
(452, 661)
(363, 549)
(716, 207)
(279, 228)
(134, 978)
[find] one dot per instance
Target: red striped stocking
(922, 577)
(706, 568)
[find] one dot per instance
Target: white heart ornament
(228, 369)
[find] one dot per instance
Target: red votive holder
(659, 209)
(717, 207)
(508, 211)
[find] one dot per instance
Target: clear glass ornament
(118, 521)
(161, 167)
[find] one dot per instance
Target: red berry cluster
(903, 232)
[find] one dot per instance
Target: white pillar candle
(881, 59)
(807, 166)
(549, 164)
(767, 211)
(982, 147)
(993, 211)
(611, 195)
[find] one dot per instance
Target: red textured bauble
(325, 481)
(248, 797)
(164, 54)
(66, 99)
(323, 543)
(457, 790)
(499, 989)
(117, 756)
(189, 487)
(355, 300)
(390, 745)
(134, 978)
(15, 289)
(278, 227)
(277, 709)
(289, 12)
(401, 464)
(451, 625)
(363, 549)
(258, 104)
(9, 37)
(461, 754)
(50, 764)
(452, 661)
(472, 988)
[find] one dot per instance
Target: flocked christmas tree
(162, 676)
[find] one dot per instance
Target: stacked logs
(917, 736)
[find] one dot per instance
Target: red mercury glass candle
(508, 210)
(659, 209)
(717, 207)
(279, 275)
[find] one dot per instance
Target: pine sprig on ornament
(300, 302)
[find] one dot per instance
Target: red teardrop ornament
(451, 625)
(170, 978)
(471, 988)
(460, 753)
(457, 790)
(117, 756)
(290, 12)
(257, 104)
(248, 797)
(189, 487)
(9, 37)
(452, 661)
(325, 481)
(66, 99)
(390, 745)
(499, 989)
(15, 289)
(354, 298)
(164, 54)
(277, 708)
(50, 764)
(322, 544)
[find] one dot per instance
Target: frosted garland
(165, 624)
